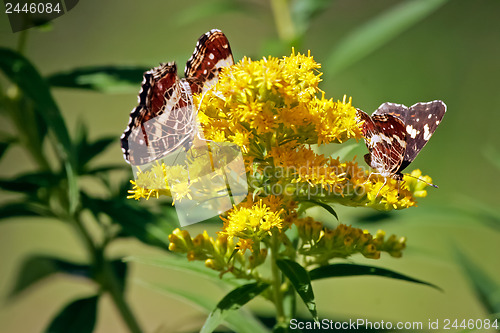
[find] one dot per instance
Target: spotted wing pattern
(165, 118)
(420, 120)
(211, 54)
(385, 138)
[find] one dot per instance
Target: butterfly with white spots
(165, 118)
(395, 134)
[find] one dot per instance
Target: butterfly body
(395, 134)
(165, 118)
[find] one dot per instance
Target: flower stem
(107, 278)
(113, 287)
(278, 297)
(283, 19)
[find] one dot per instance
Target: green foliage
(342, 270)
(372, 35)
(485, 287)
(301, 281)
(37, 268)
(109, 79)
(232, 301)
(312, 203)
(53, 191)
(79, 317)
(238, 321)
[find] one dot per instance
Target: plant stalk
(283, 19)
(108, 280)
(113, 287)
(278, 297)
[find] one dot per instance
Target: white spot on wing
(411, 131)
(427, 133)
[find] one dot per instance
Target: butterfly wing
(163, 121)
(385, 138)
(420, 120)
(399, 111)
(211, 54)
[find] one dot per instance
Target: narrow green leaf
(77, 317)
(136, 221)
(18, 69)
(328, 208)
(181, 264)
(486, 288)
(373, 34)
(239, 321)
(85, 151)
(100, 78)
(340, 270)
(103, 169)
(31, 182)
(3, 148)
(37, 268)
(95, 148)
(300, 280)
(232, 301)
(18, 209)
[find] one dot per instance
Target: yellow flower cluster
(266, 103)
(320, 244)
(220, 254)
(252, 223)
(150, 183)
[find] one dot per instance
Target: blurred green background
(452, 54)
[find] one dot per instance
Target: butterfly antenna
(430, 184)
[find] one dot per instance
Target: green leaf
(95, 148)
(31, 182)
(340, 270)
(373, 34)
(328, 208)
(37, 268)
(486, 288)
(86, 151)
(239, 321)
(181, 264)
(136, 221)
(18, 69)
(232, 301)
(100, 78)
(3, 148)
(18, 209)
(77, 317)
(300, 280)
(21, 72)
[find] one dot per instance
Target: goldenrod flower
(320, 244)
(251, 223)
(272, 101)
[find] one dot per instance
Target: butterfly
(165, 118)
(395, 134)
